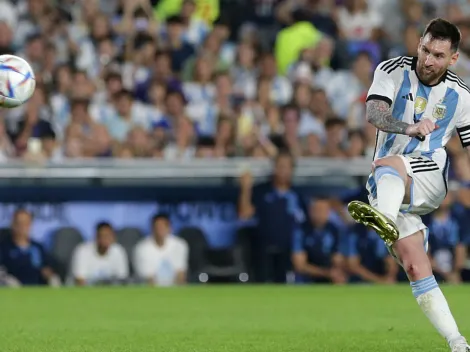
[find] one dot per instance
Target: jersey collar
(413, 67)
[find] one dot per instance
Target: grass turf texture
(222, 319)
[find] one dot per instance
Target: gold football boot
(365, 214)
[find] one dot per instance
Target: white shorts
(428, 190)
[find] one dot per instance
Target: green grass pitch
(222, 319)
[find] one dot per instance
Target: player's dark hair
(442, 29)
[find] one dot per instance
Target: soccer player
(416, 103)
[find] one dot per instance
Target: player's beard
(430, 75)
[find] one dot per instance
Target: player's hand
(422, 128)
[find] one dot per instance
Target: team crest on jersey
(420, 105)
(439, 111)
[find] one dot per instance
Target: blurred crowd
(183, 79)
(282, 238)
(178, 79)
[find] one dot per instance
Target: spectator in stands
(320, 105)
(45, 147)
(127, 114)
(293, 39)
(180, 51)
(279, 211)
(196, 29)
(162, 258)
(100, 262)
(280, 89)
(175, 104)
(447, 242)
(244, 71)
(336, 137)
(367, 257)
(183, 146)
(29, 120)
(342, 96)
(357, 22)
(205, 148)
(24, 259)
(225, 137)
(308, 123)
(356, 144)
(139, 142)
(316, 249)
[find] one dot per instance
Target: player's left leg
(392, 187)
(412, 256)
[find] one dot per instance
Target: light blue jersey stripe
(451, 100)
(372, 186)
(428, 154)
(423, 92)
(398, 112)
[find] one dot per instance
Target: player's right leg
(412, 256)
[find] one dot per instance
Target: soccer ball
(17, 81)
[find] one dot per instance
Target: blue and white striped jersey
(447, 103)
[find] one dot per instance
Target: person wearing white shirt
(100, 261)
(161, 258)
(344, 97)
(126, 114)
(358, 22)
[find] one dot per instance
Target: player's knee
(417, 269)
(413, 270)
(394, 162)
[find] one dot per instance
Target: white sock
(390, 191)
(434, 305)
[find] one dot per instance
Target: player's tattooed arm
(378, 113)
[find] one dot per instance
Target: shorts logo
(420, 105)
(439, 111)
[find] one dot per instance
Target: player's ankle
(455, 339)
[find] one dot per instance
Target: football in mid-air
(17, 81)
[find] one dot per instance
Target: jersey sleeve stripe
(464, 135)
(404, 61)
(391, 65)
(379, 97)
(417, 171)
(421, 162)
(387, 64)
(418, 164)
(459, 82)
